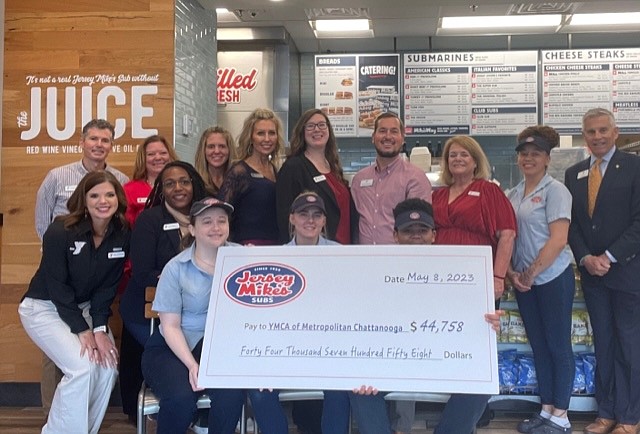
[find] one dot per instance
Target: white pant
(82, 397)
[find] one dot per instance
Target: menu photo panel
(352, 90)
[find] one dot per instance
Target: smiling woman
(155, 239)
(151, 157)
(67, 305)
(216, 150)
(313, 164)
(250, 183)
(472, 210)
(542, 274)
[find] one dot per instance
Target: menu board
(478, 93)
(352, 90)
(575, 81)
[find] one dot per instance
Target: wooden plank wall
(126, 47)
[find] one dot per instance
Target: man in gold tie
(604, 236)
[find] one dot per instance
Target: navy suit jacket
(615, 225)
(153, 244)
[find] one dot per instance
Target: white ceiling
(392, 19)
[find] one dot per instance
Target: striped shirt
(57, 187)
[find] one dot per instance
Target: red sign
(231, 82)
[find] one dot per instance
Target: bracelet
(498, 277)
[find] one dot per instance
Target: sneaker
(250, 428)
(549, 427)
(527, 425)
(199, 429)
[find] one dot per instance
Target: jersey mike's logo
(264, 285)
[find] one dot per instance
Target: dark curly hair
(199, 191)
(544, 131)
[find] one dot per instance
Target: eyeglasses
(170, 184)
(311, 126)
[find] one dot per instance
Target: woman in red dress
(471, 210)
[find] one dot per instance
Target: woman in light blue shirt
(171, 358)
(543, 277)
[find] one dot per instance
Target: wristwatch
(100, 329)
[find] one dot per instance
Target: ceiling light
(613, 19)
(224, 15)
(499, 25)
(342, 28)
(480, 22)
(342, 25)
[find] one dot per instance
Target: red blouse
(341, 192)
(137, 192)
(474, 217)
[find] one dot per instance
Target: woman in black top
(250, 184)
(313, 164)
(155, 239)
(67, 306)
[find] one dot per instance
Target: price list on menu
(336, 85)
(575, 81)
(484, 93)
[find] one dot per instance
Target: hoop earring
(250, 149)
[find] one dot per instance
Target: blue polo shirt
(184, 288)
(548, 202)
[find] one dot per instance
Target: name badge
(256, 175)
(115, 255)
(70, 188)
(583, 174)
(319, 178)
(366, 183)
(170, 226)
(474, 193)
(142, 200)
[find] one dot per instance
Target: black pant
(130, 373)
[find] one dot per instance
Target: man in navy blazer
(607, 247)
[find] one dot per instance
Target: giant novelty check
(399, 318)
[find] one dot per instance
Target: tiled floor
(14, 420)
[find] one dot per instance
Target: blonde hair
(245, 145)
(201, 158)
(482, 170)
(140, 166)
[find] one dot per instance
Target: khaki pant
(82, 396)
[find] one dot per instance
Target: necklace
(324, 160)
(209, 264)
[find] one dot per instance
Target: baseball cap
(209, 202)
(407, 218)
(538, 141)
(307, 200)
